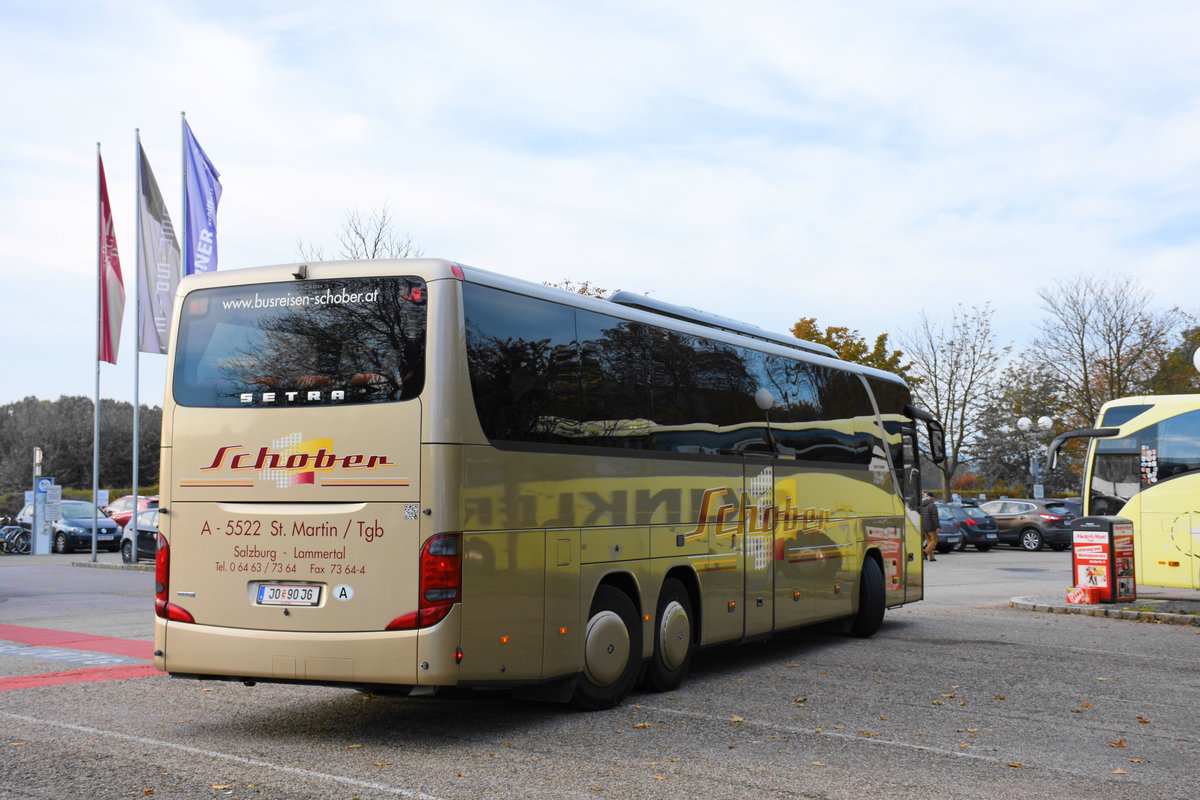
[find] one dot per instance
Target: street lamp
(1026, 426)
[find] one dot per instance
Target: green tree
(851, 346)
(63, 428)
(1176, 373)
(1003, 455)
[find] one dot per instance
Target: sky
(860, 163)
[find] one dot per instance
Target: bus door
(1166, 543)
(758, 542)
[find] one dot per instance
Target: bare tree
(365, 237)
(1102, 338)
(583, 287)
(954, 369)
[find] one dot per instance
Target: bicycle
(14, 539)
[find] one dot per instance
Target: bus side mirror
(937, 441)
(1084, 433)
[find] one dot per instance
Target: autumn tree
(1177, 373)
(368, 236)
(954, 366)
(851, 346)
(1103, 339)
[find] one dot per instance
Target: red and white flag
(112, 287)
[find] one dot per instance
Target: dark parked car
(949, 536)
(976, 527)
(74, 530)
(147, 537)
(121, 509)
(1031, 523)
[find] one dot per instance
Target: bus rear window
(359, 340)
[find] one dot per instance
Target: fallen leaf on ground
(1016, 764)
(736, 718)
(1143, 720)
(1119, 771)
(1118, 743)
(642, 725)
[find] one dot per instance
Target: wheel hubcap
(674, 635)
(606, 648)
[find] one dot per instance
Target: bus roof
(626, 305)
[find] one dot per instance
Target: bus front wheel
(673, 639)
(612, 651)
(871, 600)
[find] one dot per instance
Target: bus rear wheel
(871, 600)
(673, 638)
(612, 651)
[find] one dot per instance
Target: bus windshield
(321, 342)
(1123, 467)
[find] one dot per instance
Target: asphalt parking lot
(961, 695)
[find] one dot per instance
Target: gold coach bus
(416, 474)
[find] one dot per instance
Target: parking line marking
(849, 737)
(249, 762)
(78, 676)
(47, 637)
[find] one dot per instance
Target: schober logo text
(269, 459)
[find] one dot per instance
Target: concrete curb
(105, 565)
(1110, 610)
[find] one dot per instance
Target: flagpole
(137, 339)
(183, 239)
(96, 410)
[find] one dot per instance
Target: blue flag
(201, 199)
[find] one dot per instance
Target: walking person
(929, 524)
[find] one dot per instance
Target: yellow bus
(415, 474)
(1143, 463)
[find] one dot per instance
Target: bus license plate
(284, 594)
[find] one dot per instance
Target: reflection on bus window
(359, 340)
(545, 373)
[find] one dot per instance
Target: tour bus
(416, 474)
(1143, 463)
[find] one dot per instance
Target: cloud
(853, 162)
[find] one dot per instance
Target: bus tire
(612, 651)
(871, 600)
(674, 638)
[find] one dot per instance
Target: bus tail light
(441, 583)
(162, 568)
